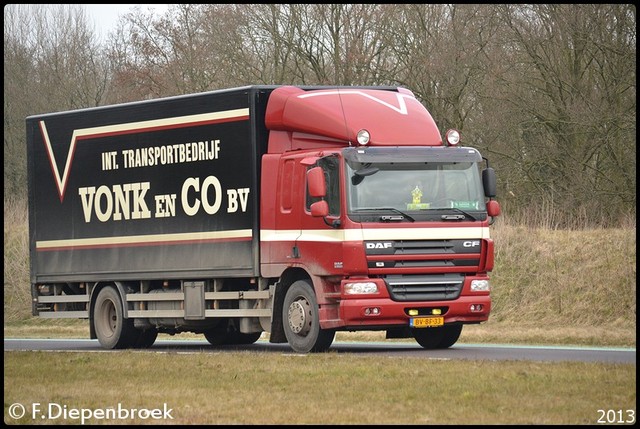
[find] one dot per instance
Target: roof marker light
(452, 137)
(363, 137)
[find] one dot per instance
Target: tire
(242, 338)
(227, 333)
(437, 338)
(112, 329)
(146, 338)
(301, 320)
(219, 335)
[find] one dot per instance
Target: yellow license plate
(426, 322)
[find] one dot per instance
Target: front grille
(433, 287)
(409, 256)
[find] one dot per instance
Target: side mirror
(489, 182)
(320, 209)
(316, 183)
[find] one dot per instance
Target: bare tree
(160, 56)
(573, 85)
(331, 44)
(52, 62)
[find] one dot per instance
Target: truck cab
(378, 223)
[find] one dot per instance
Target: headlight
(480, 286)
(360, 288)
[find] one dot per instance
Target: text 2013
(616, 416)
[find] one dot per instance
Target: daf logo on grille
(380, 245)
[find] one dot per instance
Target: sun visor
(411, 154)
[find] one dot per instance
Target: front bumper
(379, 310)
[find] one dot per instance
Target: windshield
(414, 187)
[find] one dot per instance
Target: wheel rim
(299, 317)
(109, 320)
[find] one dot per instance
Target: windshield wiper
(402, 214)
(457, 217)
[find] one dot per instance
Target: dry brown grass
(558, 278)
(17, 293)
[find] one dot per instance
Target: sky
(106, 16)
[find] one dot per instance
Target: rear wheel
(437, 338)
(218, 335)
(112, 329)
(301, 320)
(242, 338)
(146, 338)
(227, 332)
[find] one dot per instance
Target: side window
(331, 176)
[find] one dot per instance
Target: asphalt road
(392, 349)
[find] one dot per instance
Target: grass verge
(267, 388)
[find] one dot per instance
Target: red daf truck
(297, 211)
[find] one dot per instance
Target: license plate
(426, 322)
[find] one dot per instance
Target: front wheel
(112, 329)
(301, 320)
(437, 338)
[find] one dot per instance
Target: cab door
(321, 237)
